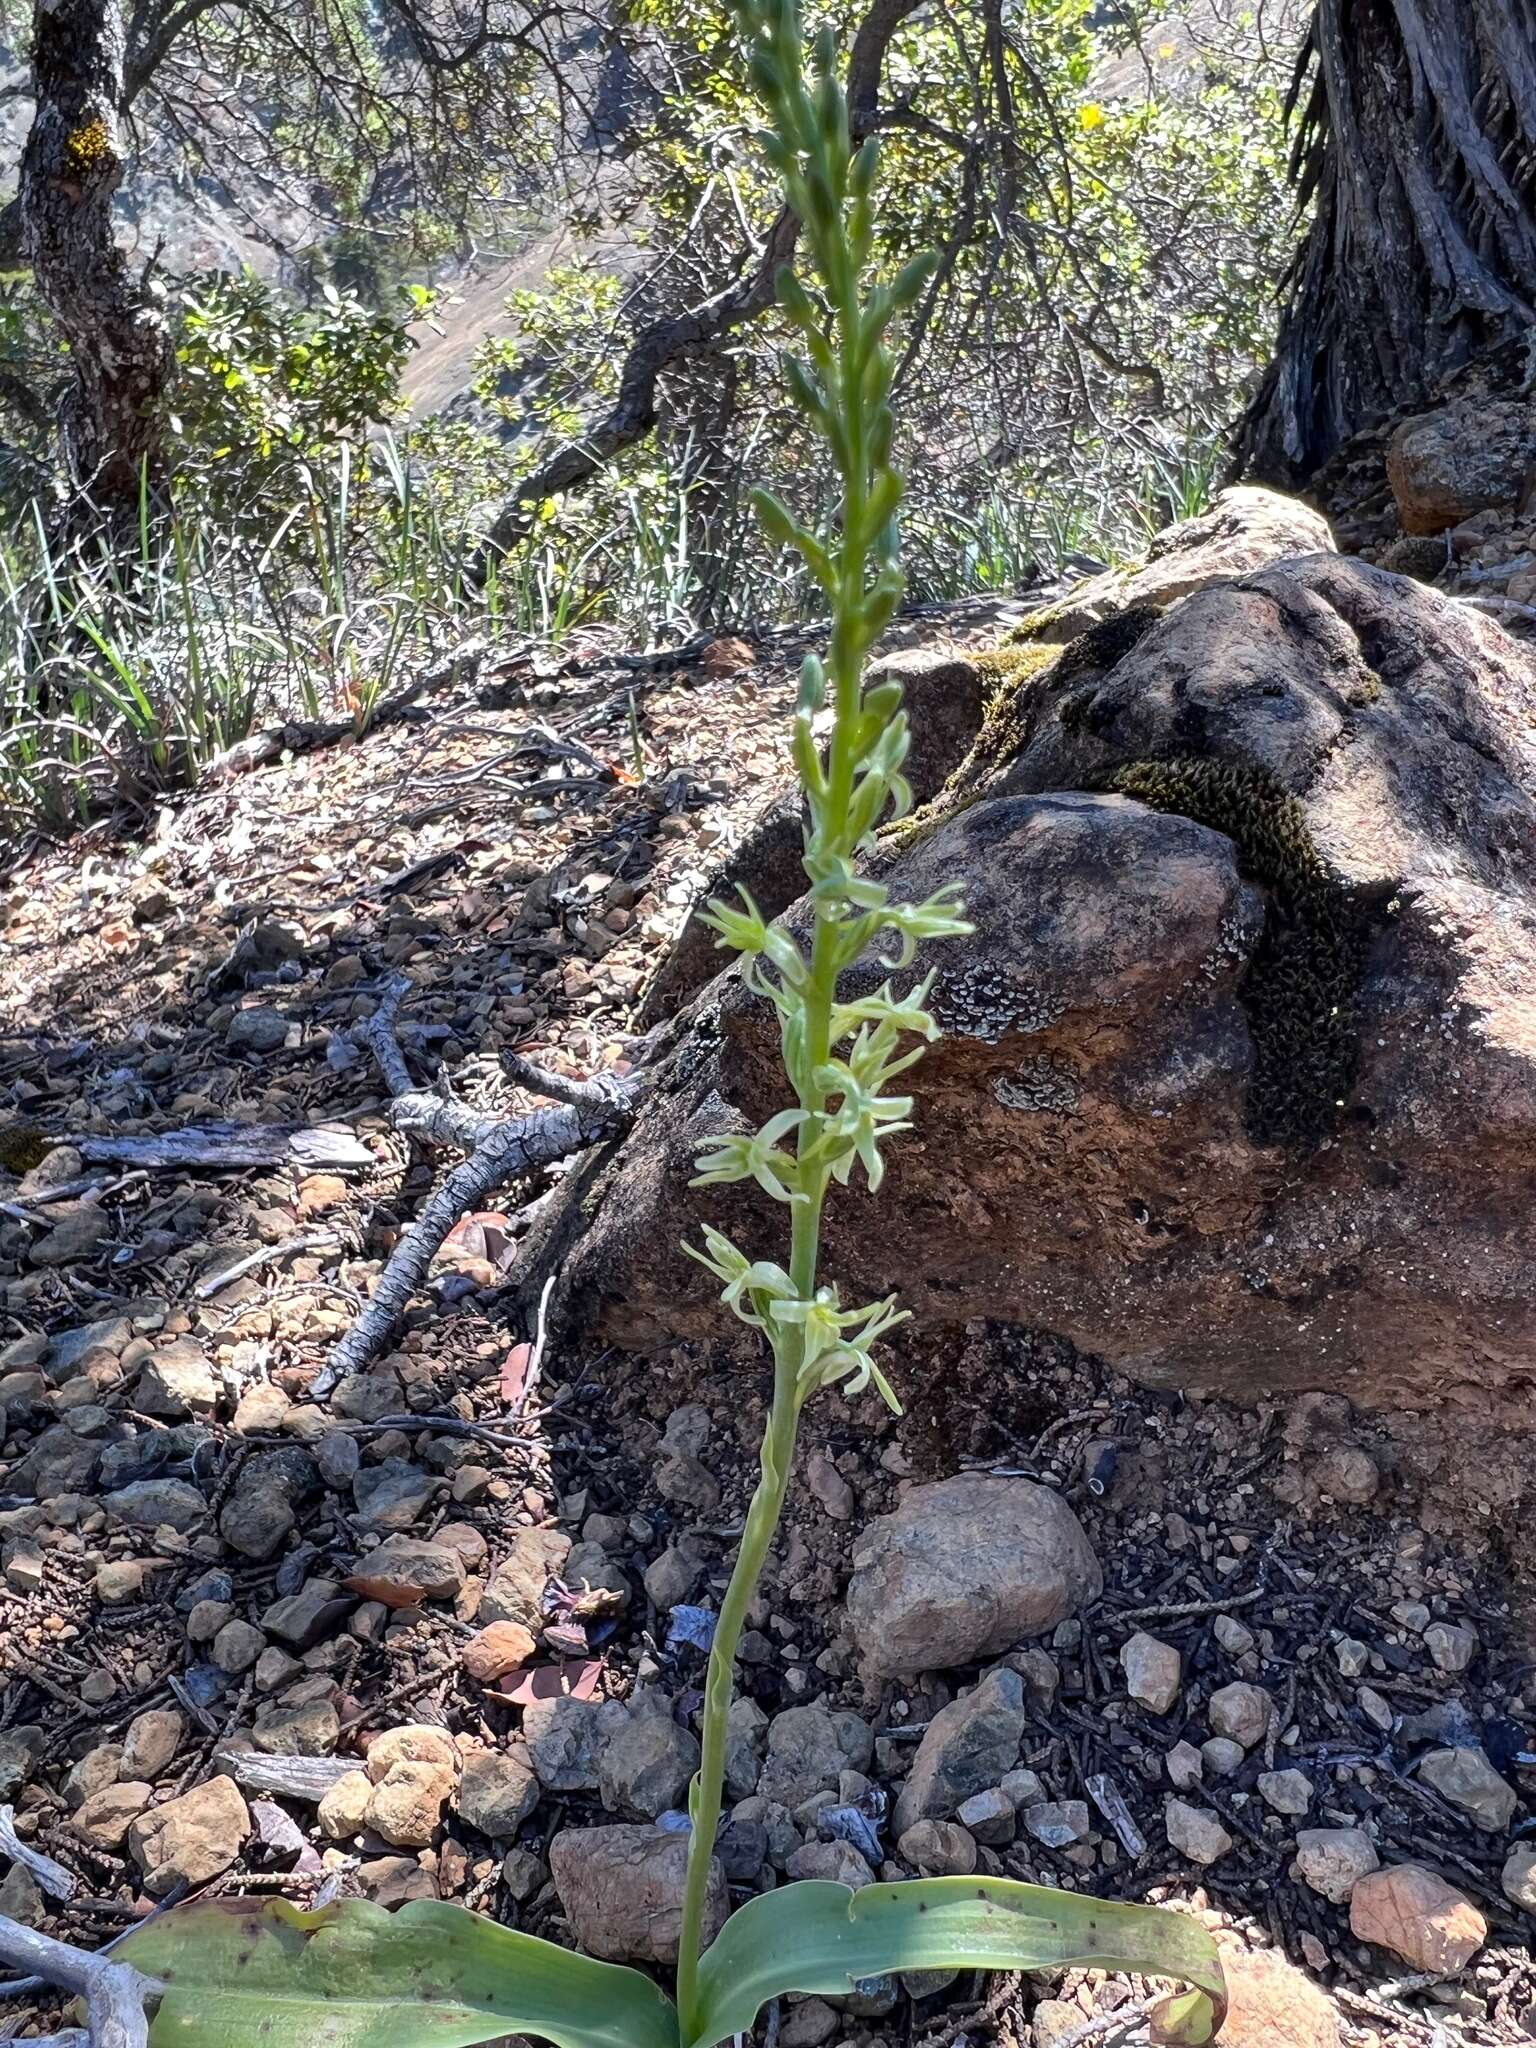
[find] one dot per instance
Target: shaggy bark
(119, 344)
(1418, 145)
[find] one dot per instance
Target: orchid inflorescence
(841, 1057)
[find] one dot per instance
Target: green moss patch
(1302, 985)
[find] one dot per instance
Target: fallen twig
(115, 1994)
(58, 1882)
(500, 1149)
(228, 1147)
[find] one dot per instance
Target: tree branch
(677, 338)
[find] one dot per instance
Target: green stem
(778, 1456)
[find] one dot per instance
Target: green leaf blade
(240, 1972)
(820, 1938)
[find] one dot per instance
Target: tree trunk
(119, 344)
(1418, 144)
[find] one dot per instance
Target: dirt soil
(524, 852)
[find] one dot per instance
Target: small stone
(1346, 1473)
(1185, 1767)
(963, 1570)
(516, 1588)
(417, 1742)
(119, 1582)
(497, 1792)
(258, 1030)
(671, 1577)
(1054, 2021)
(1195, 1833)
(563, 1739)
(274, 1668)
(1333, 1860)
(1241, 1713)
(343, 1809)
(20, 1898)
(622, 1891)
(938, 1848)
(1377, 1710)
(1352, 1656)
(967, 1748)
(304, 1617)
(1467, 1779)
(1451, 1645)
(190, 1839)
(150, 1746)
(1415, 1914)
(236, 1647)
(1024, 1788)
(406, 1803)
(500, 1647)
(157, 1503)
(808, 2023)
(73, 1237)
(1233, 1637)
(687, 1482)
(837, 1862)
(746, 1730)
(523, 1873)
(337, 1458)
(1221, 1756)
(1057, 1823)
(104, 1819)
(92, 1773)
(1288, 1792)
(1519, 1877)
(828, 1485)
(403, 1571)
(178, 1381)
(394, 1880)
(206, 1619)
(1272, 2005)
(1412, 1615)
(261, 1410)
(646, 1766)
(1153, 1671)
(990, 1816)
(312, 1729)
(808, 1748)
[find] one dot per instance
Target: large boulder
(1245, 528)
(1239, 1082)
(1472, 456)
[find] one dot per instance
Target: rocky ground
(441, 1632)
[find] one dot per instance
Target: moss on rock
(1302, 983)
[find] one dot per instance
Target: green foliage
(353, 1976)
(821, 1938)
(258, 374)
(438, 1976)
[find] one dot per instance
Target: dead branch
(500, 1150)
(227, 1148)
(115, 1994)
(54, 1879)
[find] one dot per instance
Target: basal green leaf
(820, 1937)
(240, 1972)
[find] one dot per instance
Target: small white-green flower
(756, 1157)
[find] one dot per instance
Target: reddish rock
(1419, 1917)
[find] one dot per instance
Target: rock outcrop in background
(1239, 1083)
